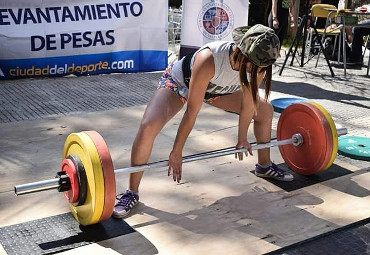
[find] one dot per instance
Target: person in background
(358, 33)
(281, 10)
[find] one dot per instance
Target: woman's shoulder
(220, 45)
(212, 51)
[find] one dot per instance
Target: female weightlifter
(223, 74)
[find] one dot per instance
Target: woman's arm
(248, 109)
(245, 118)
(202, 72)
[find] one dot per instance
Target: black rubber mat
(351, 239)
(301, 181)
(62, 232)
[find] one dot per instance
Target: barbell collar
(342, 131)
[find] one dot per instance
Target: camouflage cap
(259, 43)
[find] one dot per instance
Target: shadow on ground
(310, 91)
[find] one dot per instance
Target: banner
(54, 38)
(210, 20)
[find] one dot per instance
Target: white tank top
(225, 80)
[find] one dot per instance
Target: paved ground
(29, 99)
(332, 215)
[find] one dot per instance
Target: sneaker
(273, 172)
(125, 203)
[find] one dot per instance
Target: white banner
(52, 37)
(210, 20)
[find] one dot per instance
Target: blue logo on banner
(215, 20)
(114, 62)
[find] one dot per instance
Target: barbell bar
(50, 184)
(303, 129)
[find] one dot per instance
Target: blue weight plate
(280, 104)
(356, 147)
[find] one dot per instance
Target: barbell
(306, 135)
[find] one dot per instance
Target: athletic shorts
(166, 81)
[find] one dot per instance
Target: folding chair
(328, 12)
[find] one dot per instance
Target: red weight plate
(108, 171)
(71, 195)
(328, 131)
(309, 157)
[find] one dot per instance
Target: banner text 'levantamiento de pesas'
(90, 37)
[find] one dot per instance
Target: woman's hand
(175, 165)
(275, 23)
(243, 144)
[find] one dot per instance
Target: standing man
(278, 18)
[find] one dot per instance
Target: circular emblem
(215, 20)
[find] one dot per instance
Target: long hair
(240, 58)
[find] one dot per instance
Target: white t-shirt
(225, 80)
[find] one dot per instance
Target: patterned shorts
(167, 82)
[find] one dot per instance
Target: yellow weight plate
(81, 145)
(333, 130)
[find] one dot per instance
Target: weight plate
(328, 132)
(356, 147)
(81, 145)
(82, 179)
(309, 157)
(334, 133)
(108, 171)
(280, 104)
(69, 167)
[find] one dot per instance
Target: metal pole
(36, 186)
(296, 139)
(201, 156)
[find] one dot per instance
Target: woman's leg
(262, 120)
(163, 106)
